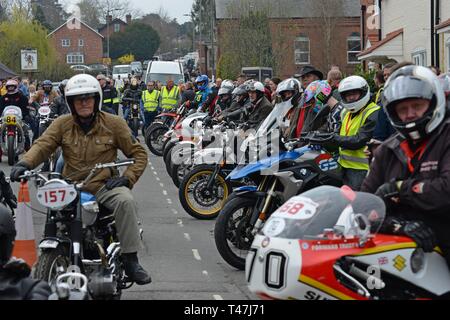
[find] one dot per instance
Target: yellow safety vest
(169, 100)
(150, 100)
(355, 159)
(378, 96)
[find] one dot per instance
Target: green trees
(139, 39)
(19, 33)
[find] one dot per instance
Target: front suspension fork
(259, 216)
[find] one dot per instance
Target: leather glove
(389, 190)
(117, 182)
(18, 170)
(420, 233)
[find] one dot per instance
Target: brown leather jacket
(82, 151)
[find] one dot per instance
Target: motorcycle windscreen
(313, 214)
(275, 118)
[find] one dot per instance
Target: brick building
(77, 43)
(115, 25)
(311, 34)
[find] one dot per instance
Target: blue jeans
(149, 117)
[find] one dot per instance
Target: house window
(65, 42)
(117, 27)
(80, 42)
(75, 58)
(302, 52)
(419, 57)
(353, 47)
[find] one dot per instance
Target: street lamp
(107, 29)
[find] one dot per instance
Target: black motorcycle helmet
(62, 86)
(7, 235)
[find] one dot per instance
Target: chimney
(109, 19)
(128, 17)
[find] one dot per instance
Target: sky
(174, 8)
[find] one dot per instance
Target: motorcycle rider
(130, 96)
(260, 106)
(308, 75)
(87, 137)
(109, 94)
(225, 97)
(15, 280)
(204, 95)
(240, 101)
(14, 97)
(411, 170)
(59, 107)
(357, 126)
(45, 96)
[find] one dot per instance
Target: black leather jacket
(16, 284)
(59, 107)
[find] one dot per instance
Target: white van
(163, 71)
(121, 70)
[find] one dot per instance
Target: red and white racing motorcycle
(324, 244)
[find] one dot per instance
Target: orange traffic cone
(25, 246)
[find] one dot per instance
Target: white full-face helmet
(354, 83)
(83, 85)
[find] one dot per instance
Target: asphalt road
(179, 251)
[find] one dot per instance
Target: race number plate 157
(56, 195)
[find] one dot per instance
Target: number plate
(44, 111)
(56, 195)
(10, 120)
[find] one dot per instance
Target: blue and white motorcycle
(278, 178)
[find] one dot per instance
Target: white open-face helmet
(255, 86)
(83, 85)
(355, 83)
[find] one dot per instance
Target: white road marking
(165, 192)
(217, 297)
(180, 222)
(155, 173)
(169, 201)
(153, 168)
(174, 211)
(187, 236)
(157, 179)
(162, 185)
(196, 254)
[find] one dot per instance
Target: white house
(409, 32)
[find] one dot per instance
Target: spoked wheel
(199, 201)
(155, 139)
(232, 232)
(51, 264)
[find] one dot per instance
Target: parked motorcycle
(79, 235)
(154, 135)
(12, 133)
(278, 178)
(325, 245)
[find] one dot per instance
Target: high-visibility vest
(169, 100)
(355, 159)
(379, 94)
(150, 100)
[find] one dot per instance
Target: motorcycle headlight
(417, 260)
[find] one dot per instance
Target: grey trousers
(354, 178)
(120, 201)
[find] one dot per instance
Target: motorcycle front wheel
(196, 199)
(232, 232)
(154, 139)
(51, 264)
(11, 150)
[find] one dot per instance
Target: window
(65, 42)
(301, 46)
(117, 27)
(75, 58)
(419, 57)
(353, 47)
(80, 42)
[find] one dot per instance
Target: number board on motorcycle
(11, 120)
(56, 195)
(44, 111)
(298, 208)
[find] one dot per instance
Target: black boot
(134, 270)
